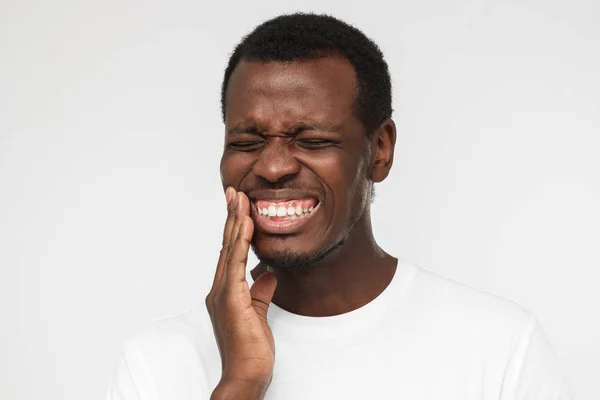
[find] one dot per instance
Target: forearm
(230, 390)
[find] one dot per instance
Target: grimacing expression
(293, 141)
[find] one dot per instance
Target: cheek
(334, 167)
(344, 176)
(233, 167)
(353, 189)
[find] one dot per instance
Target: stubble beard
(293, 260)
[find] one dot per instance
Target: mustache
(290, 185)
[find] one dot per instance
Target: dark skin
(292, 128)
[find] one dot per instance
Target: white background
(111, 207)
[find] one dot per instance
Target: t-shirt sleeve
(534, 372)
(130, 380)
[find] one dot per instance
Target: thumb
(262, 292)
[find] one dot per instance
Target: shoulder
(464, 314)
(179, 335)
(485, 334)
(173, 357)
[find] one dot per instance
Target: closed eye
(245, 146)
(314, 143)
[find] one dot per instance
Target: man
(326, 314)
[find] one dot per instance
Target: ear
(383, 141)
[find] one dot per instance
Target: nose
(276, 162)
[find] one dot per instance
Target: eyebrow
(293, 130)
(241, 128)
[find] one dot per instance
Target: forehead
(285, 92)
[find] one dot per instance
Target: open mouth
(296, 208)
(283, 216)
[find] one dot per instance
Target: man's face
(295, 147)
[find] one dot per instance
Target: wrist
(239, 390)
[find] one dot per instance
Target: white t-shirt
(423, 337)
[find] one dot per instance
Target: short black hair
(303, 36)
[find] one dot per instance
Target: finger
(231, 196)
(242, 209)
(238, 219)
(235, 223)
(236, 265)
(231, 215)
(262, 292)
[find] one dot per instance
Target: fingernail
(228, 194)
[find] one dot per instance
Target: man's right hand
(239, 313)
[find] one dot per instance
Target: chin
(285, 260)
(291, 258)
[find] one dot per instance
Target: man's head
(303, 37)
(306, 104)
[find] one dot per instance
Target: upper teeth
(273, 211)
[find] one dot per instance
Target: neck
(346, 279)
